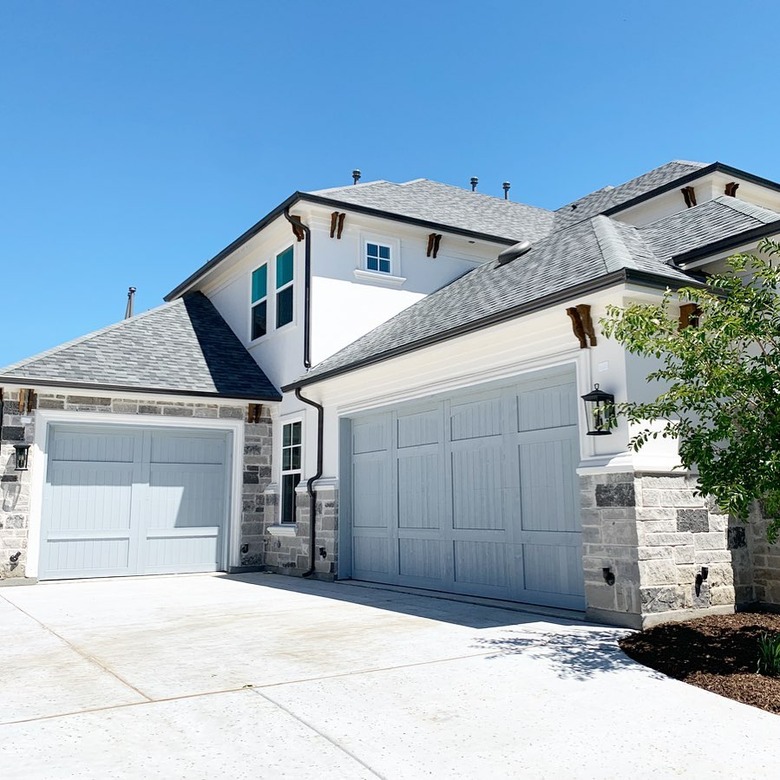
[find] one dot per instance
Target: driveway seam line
(80, 652)
(322, 734)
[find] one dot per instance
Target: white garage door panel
(133, 502)
(473, 494)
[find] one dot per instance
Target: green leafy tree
(722, 380)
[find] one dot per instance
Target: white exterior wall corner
(21, 503)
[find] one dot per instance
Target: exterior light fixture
(22, 456)
(599, 412)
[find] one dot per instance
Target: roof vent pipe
(130, 299)
(513, 252)
(474, 182)
(356, 176)
(506, 185)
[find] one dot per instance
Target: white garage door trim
(483, 520)
(39, 466)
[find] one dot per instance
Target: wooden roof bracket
(582, 324)
(689, 196)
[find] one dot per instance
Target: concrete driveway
(267, 677)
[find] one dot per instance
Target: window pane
(295, 433)
(384, 252)
(289, 483)
(372, 264)
(372, 249)
(284, 268)
(259, 283)
(286, 460)
(295, 459)
(384, 266)
(284, 307)
(286, 435)
(258, 320)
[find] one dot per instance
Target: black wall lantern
(599, 412)
(22, 456)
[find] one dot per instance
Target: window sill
(283, 529)
(377, 277)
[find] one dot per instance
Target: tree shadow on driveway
(575, 653)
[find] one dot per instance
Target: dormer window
(378, 258)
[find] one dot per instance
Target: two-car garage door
(472, 493)
(120, 500)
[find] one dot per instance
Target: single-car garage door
(123, 501)
(475, 493)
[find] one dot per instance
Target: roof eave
(724, 244)
(96, 386)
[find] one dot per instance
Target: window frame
(272, 293)
(253, 304)
(288, 285)
(291, 518)
(378, 257)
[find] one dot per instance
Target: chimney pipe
(356, 176)
(506, 185)
(474, 182)
(130, 298)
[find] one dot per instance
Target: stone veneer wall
(766, 560)
(656, 536)
(287, 547)
(15, 486)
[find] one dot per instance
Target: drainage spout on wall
(310, 483)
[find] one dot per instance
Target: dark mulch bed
(718, 653)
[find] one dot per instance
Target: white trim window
(259, 303)
(292, 450)
(378, 257)
(285, 287)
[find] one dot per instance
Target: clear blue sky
(139, 137)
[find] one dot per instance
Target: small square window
(378, 258)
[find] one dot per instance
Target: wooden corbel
(689, 315)
(582, 324)
(28, 400)
(576, 325)
(337, 224)
(689, 196)
(731, 189)
(297, 229)
(434, 239)
(254, 412)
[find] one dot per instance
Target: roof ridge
(613, 249)
(349, 186)
(86, 337)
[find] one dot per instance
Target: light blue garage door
(475, 493)
(123, 501)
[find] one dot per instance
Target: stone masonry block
(684, 554)
(662, 599)
(658, 572)
(619, 494)
(736, 537)
(709, 541)
(694, 520)
(673, 498)
(669, 540)
(656, 553)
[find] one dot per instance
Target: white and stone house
(362, 351)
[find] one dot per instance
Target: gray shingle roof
(180, 347)
(704, 224)
(584, 252)
(609, 197)
(448, 205)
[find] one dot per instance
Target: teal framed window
(259, 312)
(285, 272)
(292, 449)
